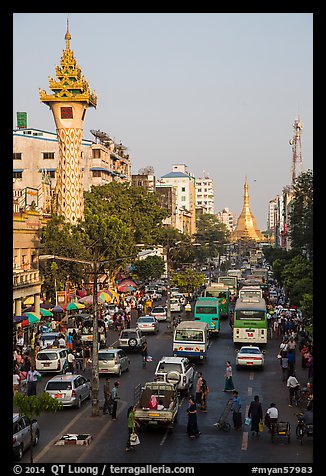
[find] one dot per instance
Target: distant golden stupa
(247, 228)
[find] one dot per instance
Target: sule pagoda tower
(247, 228)
(69, 101)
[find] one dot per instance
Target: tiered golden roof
(247, 227)
(70, 84)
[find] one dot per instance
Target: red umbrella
(128, 281)
(125, 288)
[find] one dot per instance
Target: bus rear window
(189, 335)
(206, 310)
(251, 315)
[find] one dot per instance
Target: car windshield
(249, 350)
(48, 337)
(58, 385)
(145, 319)
(106, 356)
(47, 356)
(166, 367)
(158, 309)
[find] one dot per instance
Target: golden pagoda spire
(70, 84)
(247, 227)
(68, 35)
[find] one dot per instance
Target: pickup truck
(145, 416)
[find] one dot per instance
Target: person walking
(198, 387)
(144, 353)
(255, 412)
(236, 410)
(114, 398)
(71, 359)
(32, 375)
(228, 386)
(131, 426)
(107, 395)
(293, 385)
(284, 365)
(192, 426)
(15, 382)
(86, 356)
(204, 394)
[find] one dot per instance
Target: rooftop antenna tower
(295, 142)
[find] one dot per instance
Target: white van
(51, 360)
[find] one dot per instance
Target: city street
(160, 446)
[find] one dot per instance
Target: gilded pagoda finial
(70, 85)
(67, 35)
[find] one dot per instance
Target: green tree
(116, 218)
(150, 268)
(211, 235)
(32, 406)
(301, 214)
(188, 280)
(297, 278)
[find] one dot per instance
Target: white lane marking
(62, 432)
(251, 375)
(100, 434)
(164, 437)
(244, 445)
(249, 391)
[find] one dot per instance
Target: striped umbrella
(32, 317)
(105, 296)
(73, 306)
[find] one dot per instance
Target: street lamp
(168, 287)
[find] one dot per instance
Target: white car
(147, 324)
(176, 370)
(250, 356)
(51, 360)
(159, 312)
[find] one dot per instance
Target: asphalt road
(160, 446)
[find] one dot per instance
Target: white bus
(251, 291)
(190, 340)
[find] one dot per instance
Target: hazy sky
(218, 92)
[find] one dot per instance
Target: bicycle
(303, 429)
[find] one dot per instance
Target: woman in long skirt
(192, 427)
(229, 386)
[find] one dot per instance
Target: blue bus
(207, 310)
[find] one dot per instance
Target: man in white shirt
(32, 380)
(293, 386)
(71, 362)
(271, 416)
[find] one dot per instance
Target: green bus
(231, 282)
(222, 293)
(207, 310)
(249, 322)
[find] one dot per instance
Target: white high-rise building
(228, 218)
(205, 194)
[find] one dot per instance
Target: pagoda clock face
(66, 113)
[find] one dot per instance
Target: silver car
(131, 339)
(147, 324)
(112, 361)
(22, 435)
(69, 389)
(159, 312)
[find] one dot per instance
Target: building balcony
(23, 279)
